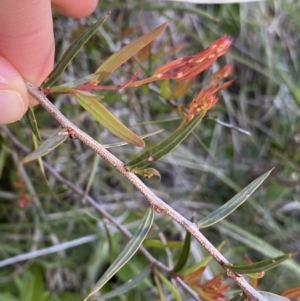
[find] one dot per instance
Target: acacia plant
(182, 72)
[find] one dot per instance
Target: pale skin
(27, 48)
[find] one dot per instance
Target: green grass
(208, 169)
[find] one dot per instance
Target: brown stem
(152, 199)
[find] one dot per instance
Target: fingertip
(13, 94)
(80, 10)
(12, 106)
(26, 44)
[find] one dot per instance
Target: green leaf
(71, 52)
(126, 286)
(30, 285)
(184, 253)
(64, 89)
(126, 254)
(33, 123)
(47, 146)
(233, 203)
(110, 242)
(258, 267)
(170, 286)
(124, 54)
(121, 143)
(291, 85)
(8, 297)
(165, 90)
(159, 289)
(255, 243)
(155, 243)
(3, 157)
(108, 120)
(201, 263)
(165, 146)
(40, 162)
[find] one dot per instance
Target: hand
(27, 48)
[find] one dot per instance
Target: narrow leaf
(155, 243)
(165, 146)
(71, 52)
(194, 276)
(258, 267)
(291, 85)
(159, 289)
(47, 146)
(33, 123)
(126, 286)
(64, 89)
(124, 54)
(126, 254)
(233, 203)
(184, 253)
(3, 156)
(40, 162)
(204, 262)
(121, 143)
(108, 120)
(255, 243)
(170, 286)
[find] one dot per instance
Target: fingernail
(12, 106)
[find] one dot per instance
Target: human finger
(78, 10)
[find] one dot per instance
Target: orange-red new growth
(292, 293)
(182, 69)
(206, 99)
(188, 67)
(211, 289)
(203, 101)
(218, 76)
(214, 288)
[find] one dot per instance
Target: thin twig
(153, 200)
(42, 252)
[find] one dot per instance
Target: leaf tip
(140, 143)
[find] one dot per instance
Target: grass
(209, 168)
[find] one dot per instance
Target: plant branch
(100, 210)
(159, 205)
(122, 229)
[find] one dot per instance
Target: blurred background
(254, 127)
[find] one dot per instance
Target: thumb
(13, 93)
(27, 51)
